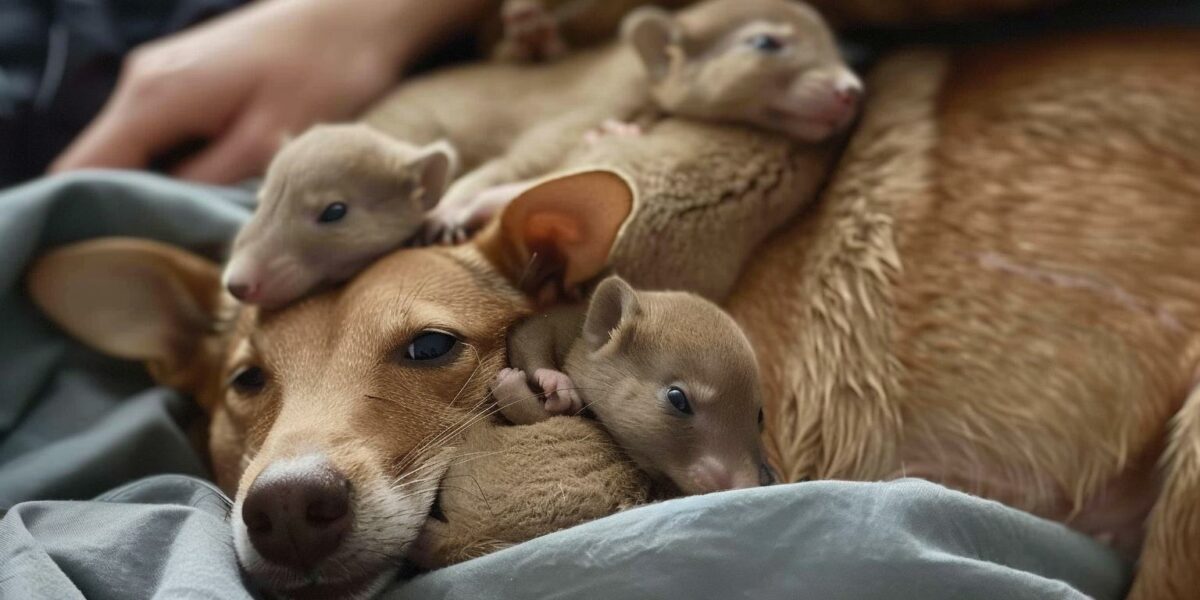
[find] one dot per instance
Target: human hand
(245, 80)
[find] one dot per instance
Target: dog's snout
(297, 519)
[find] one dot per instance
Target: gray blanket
(103, 497)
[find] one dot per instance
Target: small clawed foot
(509, 386)
(560, 392)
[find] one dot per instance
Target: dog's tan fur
(1001, 292)
(336, 380)
(694, 181)
(963, 305)
(511, 123)
(386, 187)
(512, 484)
(618, 357)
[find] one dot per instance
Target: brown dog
(964, 305)
(332, 420)
(1000, 291)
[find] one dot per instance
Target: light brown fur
(942, 312)
(623, 359)
(335, 376)
(512, 484)
(512, 123)
(999, 292)
(707, 196)
(384, 187)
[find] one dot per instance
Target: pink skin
(711, 474)
(560, 394)
(612, 127)
(281, 279)
(811, 113)
(449, 225)
(558, 390)
(269, 283)
(453, 225)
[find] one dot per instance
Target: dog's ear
(557, 235)
(613, 307)
(133, 299)
(653, 32)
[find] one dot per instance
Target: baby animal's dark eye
(765, 43)
(430, 345)
(248, 380)
(679, 400)
(333, 212)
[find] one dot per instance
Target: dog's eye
(333, 212)
(248, 380)
(430, 345)
(765, 43)
(679, 400)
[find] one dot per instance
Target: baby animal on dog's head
(332, 420)
(334, 199)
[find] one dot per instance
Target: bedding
(103, 495)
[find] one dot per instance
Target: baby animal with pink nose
(670, 376)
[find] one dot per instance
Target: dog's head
(331, 420)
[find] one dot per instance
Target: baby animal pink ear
(614, 305)
(434, 167)
(652, 32)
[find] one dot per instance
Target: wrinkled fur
(999, 292)
(514, 483)
(708, 195)
(621, 356)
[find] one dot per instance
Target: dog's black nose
(298, 520)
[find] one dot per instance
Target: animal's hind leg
(1169, 568)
